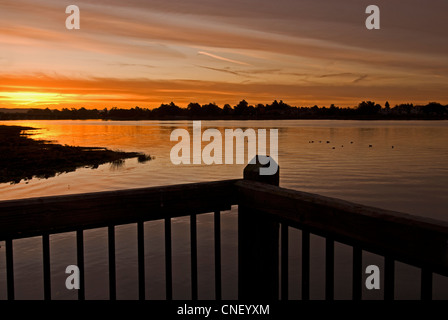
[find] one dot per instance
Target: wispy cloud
(360, 78)
(225, 70)
(103, 92)
(330, 75)
(139, 65)
(222, 58)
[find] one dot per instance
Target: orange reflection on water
(397, 165)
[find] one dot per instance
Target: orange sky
(144, 53)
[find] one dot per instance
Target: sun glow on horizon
(29, 98)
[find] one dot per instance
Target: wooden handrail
(419, 241)
(416, 240)
(32, 217)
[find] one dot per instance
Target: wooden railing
(265, 214)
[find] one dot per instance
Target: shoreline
(233, 118)
(404, 119)
(23, 158)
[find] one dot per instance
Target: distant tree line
(243, 110)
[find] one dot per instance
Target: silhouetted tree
(194, 109)
(227, 109)
(404, 108)
(168, 110)
(241, 108)
(275, 110)
(434, 109)
(211, 109)
(368, 108)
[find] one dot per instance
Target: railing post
(258, 245)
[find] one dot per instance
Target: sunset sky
(147, 52)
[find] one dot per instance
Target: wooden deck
(265, 214)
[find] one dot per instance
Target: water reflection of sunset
(404, 178)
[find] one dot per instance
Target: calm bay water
(397, 165)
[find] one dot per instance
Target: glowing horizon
(146, 54)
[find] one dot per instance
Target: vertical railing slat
(141, 260)
(168, 260)
(217, 231)
(284, 261)
(357, 273)
(9, 269)
(305, 264)
(80, 261)
(426, 284)
(389, 278)
(112, 267)
(329, 268)
(46, 266)
(194, 257)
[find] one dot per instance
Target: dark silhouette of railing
(265, 213)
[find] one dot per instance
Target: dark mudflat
(24, 158)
